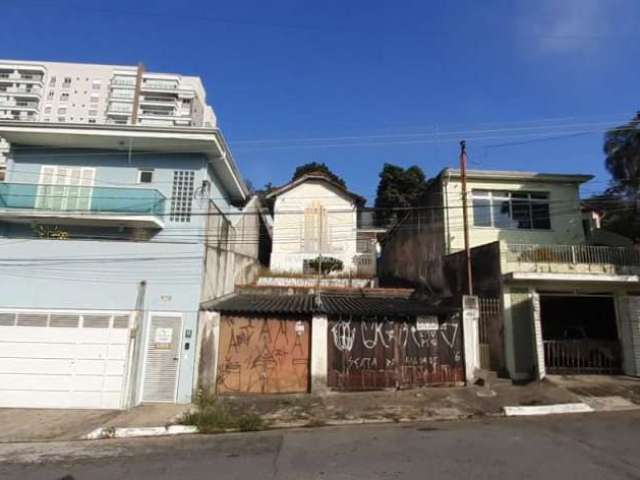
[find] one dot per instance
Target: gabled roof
(316, 177)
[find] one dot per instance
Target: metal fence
(582, 356)
(572, 254)
(490, 314)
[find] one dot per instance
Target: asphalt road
(591, 446)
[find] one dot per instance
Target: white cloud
(566, 26)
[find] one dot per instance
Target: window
(504, 209)
(93, 113)
(62, 119)
(94, 99)
(51, 94)
(65, 188)
(47, 109)
(67, 82)
(145, 176)
(316, 235)
(92, 120)
(96, 85)
(182, 195)
(62, 110)
(52, 81)
(64, 97)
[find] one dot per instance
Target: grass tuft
(214, 415)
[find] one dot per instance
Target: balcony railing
(572, 254)
(80, 200)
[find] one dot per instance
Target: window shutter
(45, 189)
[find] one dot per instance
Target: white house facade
(316, 217)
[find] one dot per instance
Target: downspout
(135, 347)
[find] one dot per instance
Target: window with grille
(182, 195)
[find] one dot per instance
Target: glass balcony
(80, 205)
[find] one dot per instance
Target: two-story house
(110, 239)
(314, 217)
(550, 301)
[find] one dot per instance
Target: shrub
(214, 415)
(329, 264)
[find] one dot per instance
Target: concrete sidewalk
(339, 408)
(436, 403)
(38, 425)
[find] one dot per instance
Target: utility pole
(319, 245)
(136, 94)
(465, 216)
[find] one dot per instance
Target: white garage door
(63, 360)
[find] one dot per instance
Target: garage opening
(580, 335)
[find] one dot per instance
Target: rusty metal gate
(583, 356)
(259, 354)
(489, 328)
(394, 352)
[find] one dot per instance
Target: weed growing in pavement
(214, 415)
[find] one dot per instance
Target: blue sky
(530, 85)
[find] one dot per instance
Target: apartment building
(101, 94)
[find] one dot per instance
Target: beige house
(316, 217)
(552, 302)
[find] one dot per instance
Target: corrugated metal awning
(327, 304)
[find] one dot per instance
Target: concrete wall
(288, 253)
(413, 250)
(232, 250)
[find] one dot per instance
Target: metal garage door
(368, 353)
(259, 354)
(63, 360)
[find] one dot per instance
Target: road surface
(590, 446)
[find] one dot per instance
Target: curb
(547, 409)
(136, 432)
(131, 432)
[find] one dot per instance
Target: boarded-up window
(316, 233)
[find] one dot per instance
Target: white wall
(288, 252)
(565, 214)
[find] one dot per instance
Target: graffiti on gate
(384, 334)
(375, 353)
(263, 355)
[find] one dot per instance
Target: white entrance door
(162, 358)
(62, 360)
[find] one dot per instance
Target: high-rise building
(102, 94)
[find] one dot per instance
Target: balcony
(22, 91)
(21, 77)
(581, 259)
(18, 105)
(81, 206)
(149, 86)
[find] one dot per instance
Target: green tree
(319, 168)
(398, 188)
(620, 202)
